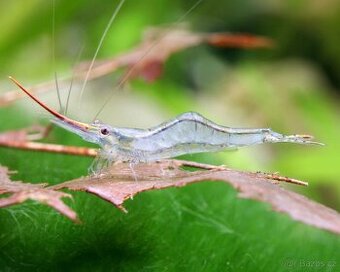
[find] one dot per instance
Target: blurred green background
(292, 88)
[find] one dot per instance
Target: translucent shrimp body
(188, 133)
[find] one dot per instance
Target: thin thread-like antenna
(58, 91)
(152, 46)
(99, 46)
(69, 94)
(53, 55)
(72, 80)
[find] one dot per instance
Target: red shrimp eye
(104, 131)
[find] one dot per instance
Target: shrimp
(187, 133)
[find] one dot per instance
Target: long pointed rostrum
(56, 114)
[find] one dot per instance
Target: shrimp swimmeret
(188, 133)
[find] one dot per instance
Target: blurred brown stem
(53, 148)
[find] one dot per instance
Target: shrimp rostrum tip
(187, 133)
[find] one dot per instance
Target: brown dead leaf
(147, 59)
(21, 192)
(26, 134)
(119, 184)
(151, 71)
(246, 41)
(159, 44)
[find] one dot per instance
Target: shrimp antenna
(99, 46)
(147, 52)
(53, 55)
(72, 80)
